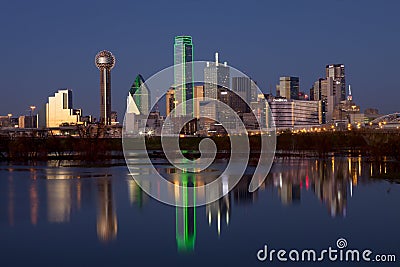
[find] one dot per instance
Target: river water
(72, 214)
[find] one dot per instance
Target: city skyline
(333, 72)
(334, 108)
(221, 133)
(52, 58)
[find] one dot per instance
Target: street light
(9, 115)
(32, 110)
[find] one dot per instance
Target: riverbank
(372, 144)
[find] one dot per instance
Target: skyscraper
(198, 96)
(336, 72)
(289, 87)
(323, 90)
(105, 61)
(170, 101)
(216, 75)
(241, 87)
(253, 92)
(59, 110)
(140, 95)
(183, 74)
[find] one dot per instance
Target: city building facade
(323, 91)
(289, 87)
(289, 113)
(59, 110)
(183, 75)
(337, 73)
(215, 75)
(139, 96)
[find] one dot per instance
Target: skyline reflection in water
(67, 195)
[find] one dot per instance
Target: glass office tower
(183, 74)
(141, 95)
(337, 73)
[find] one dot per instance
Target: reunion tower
(105, 61)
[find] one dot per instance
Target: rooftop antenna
(350, 97)
(216, 58)
(157, 99)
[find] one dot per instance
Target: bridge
(389, 118)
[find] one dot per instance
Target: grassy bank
(375, 144)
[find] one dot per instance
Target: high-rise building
(59, 109)
(336, 72)
(183, 75)
(105, 61)
(242, 87)
(288, 87)
(216, 75)
(198, 97)
(323, 90)
(170, 100)
(245, 91)
(139, 97)
(216, 80)
(253, 92)
(208, 115)
(312, 93)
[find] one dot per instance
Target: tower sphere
(105, 59)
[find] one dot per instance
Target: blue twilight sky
(47, 45)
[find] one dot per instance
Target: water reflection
(107, 226)
(330, 180)
(34, 202)
(136, 194)
(59, 200)
(219, 212)
(10, 201)
(186, 216)
(64, 191)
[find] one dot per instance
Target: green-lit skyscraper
(183, 74)
(140, 95)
